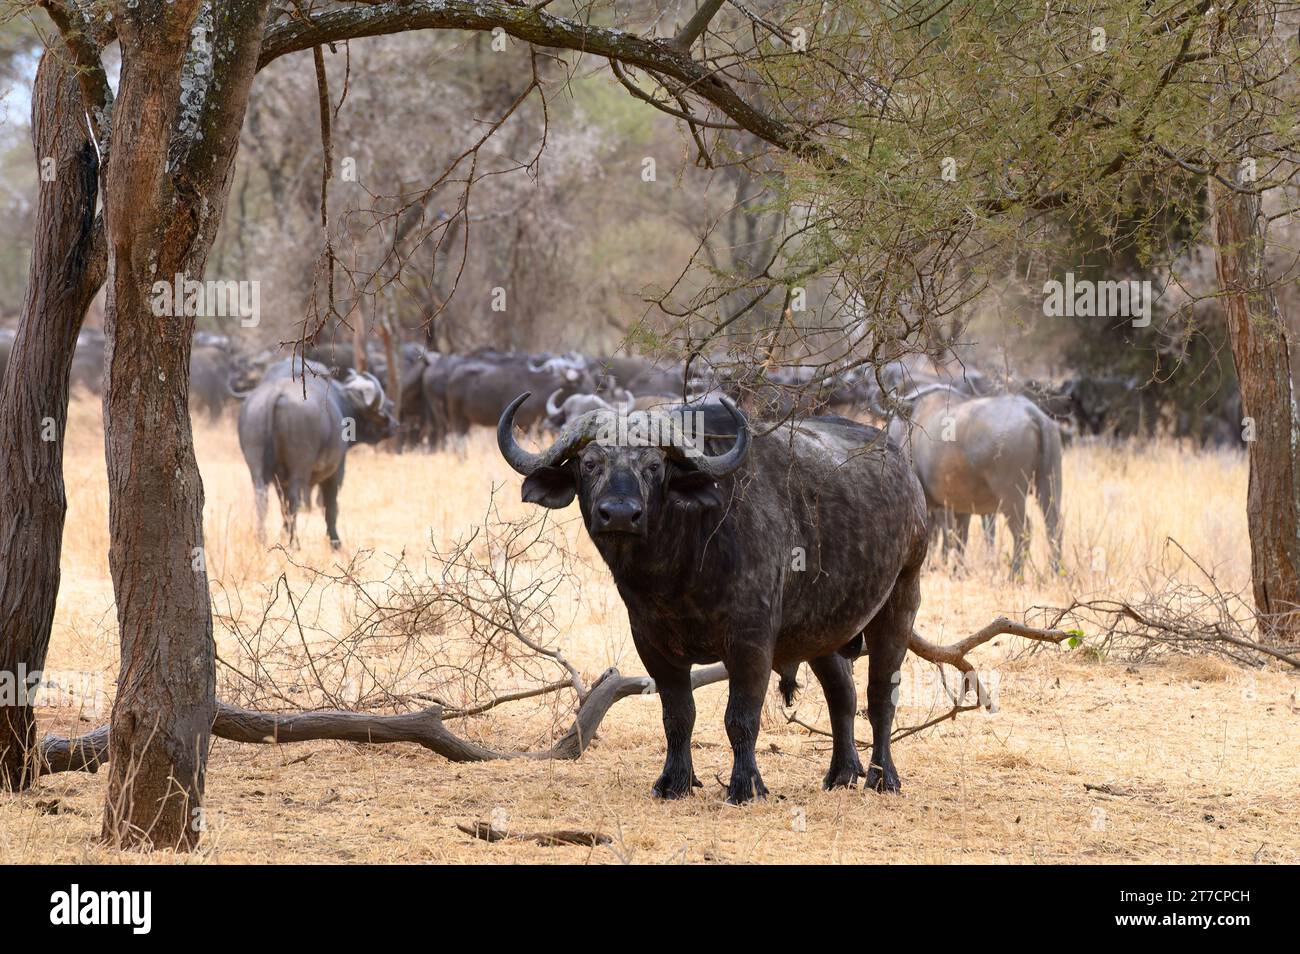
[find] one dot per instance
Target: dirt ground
(1089, 758)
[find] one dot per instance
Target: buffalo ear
(552, 487)
(692, 490)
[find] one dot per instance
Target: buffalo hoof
(675, 786)
(335, 544)
(843, 774)
(745, 787)
(883, 781)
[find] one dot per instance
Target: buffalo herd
(979, 444)
(757, 516)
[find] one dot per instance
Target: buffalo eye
(589, 466)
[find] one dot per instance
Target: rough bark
(164, 198)
(67, 268)
(1261, 352)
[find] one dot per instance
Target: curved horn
(521, 460)
(923, 390)
(237, 394)
(553, 409)
(723, 464)
(575, 434)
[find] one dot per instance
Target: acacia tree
(867, 108)
(169, 140)
(955, 132)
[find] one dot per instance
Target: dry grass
(1195, 759)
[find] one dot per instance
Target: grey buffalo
(210, 369)
(759, 551)
(982, 456)
(298, 440)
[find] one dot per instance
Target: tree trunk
(1261, 353)
(67, 269)
(1258, 335)
(164, 196)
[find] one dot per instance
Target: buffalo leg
(286, 519)
(259, 505)
(329, 491)
(960, 531)
(295, 491)
(673, 684)
(835, 673)
(1019, 527)
(886, 636)
(678, 776)
(749, 671)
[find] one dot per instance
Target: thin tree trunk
(1260, 349)
(165, 197)
(67, 269)
(1261, 353)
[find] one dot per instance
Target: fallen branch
(426, 728)
(88, 752)
(955, 655)
(1183, 617)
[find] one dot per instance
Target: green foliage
(610, 107)
(959, 136)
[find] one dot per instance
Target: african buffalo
(802, 544)
(299, 440)
(209, 372)
(982, 456)
(479, 389)
(414, 412)
(433, 391)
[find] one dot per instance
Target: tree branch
(697, 24)
(79, 35)
(86, 753)
(533, 25)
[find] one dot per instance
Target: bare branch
(535, 26)
(697, 24)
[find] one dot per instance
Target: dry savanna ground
(1090, 756)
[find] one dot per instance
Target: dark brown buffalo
(804, 543)
(478, 389)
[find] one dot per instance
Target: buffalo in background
(479, 389)
(981, 456)
(295, 432)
